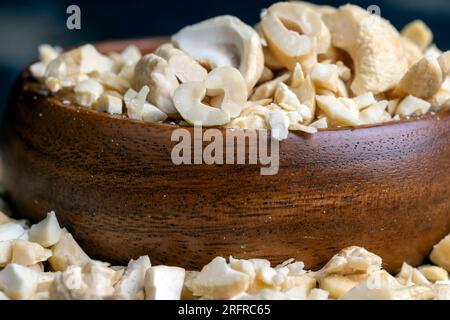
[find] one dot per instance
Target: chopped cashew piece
(411, 276)
(109, 104)
(382, 286)
(93, 281)
(423, 80)
(318, 294)
(18, 282)
(139, 109)
(218, 280)
(267, 90)
(28, 253)
(284, 96)
(441, 291)
(224, 41)
(131, 285)
(164, 283)
(374, 45)
(419, 33)
(266, 76)
(71, 67)
(67, 253)
(444, 63)
(364, 100)
(186, 69)
(156, 73)
(325, 76)
(4, 218)
(5, 253)
(11, 231)
(87, 92)
(441, 253)
(310, 37)
(279, 124)
(412, 106)
(224, 82)
(376, 113)
(47, 232)
(434, 273)
(352, 260)
(336, 110)
(336, 285)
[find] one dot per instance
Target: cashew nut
(374, 45)
(311, 36)
(419, 33)
(184, 66)
(224, 41)
(156, 73)
(423, 80)
(225, 82)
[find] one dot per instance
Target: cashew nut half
(224, 41)
(156, 73)
(226, 83)
(374, 45)
(295, 33)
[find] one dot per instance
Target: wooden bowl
(112, 183)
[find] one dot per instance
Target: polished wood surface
(113, 185)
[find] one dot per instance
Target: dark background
(26, 24)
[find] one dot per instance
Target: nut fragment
(325, 76)
(441, 253)
(28, 253)
(224, 41)
(374, 45)
(131, 286)
(344, 114)
(4, 218)
(156, 73)
(93, 281)
(11, 231)
(411, 276)
(67, 253)
(412, 106)
(18, 282)
(267, 90)
(87, 92)
(311, 36)
(226, 83)
(74, 66)
(186, 69)
(138, 108)
(164, 283)
(336, 285)
(218, 280)
(419, 33)
(434, 273)
(5, 252)
(47, 232)
(423, 80)
(109, 104)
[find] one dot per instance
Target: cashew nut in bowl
(184, 66)
(295, 34)
(374, 45)
(226, 83)
(224, 41)
(155, 72)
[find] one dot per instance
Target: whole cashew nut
(226, 82)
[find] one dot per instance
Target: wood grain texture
(113, 185)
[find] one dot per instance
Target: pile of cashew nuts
(302, 67)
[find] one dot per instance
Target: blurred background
(25, 24)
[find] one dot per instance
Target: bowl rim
(77, 109)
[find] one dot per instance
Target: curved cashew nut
(224, 41)
(225, 81)
(156, 73)
(311, 35)
(184, 66)
(374, 45)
